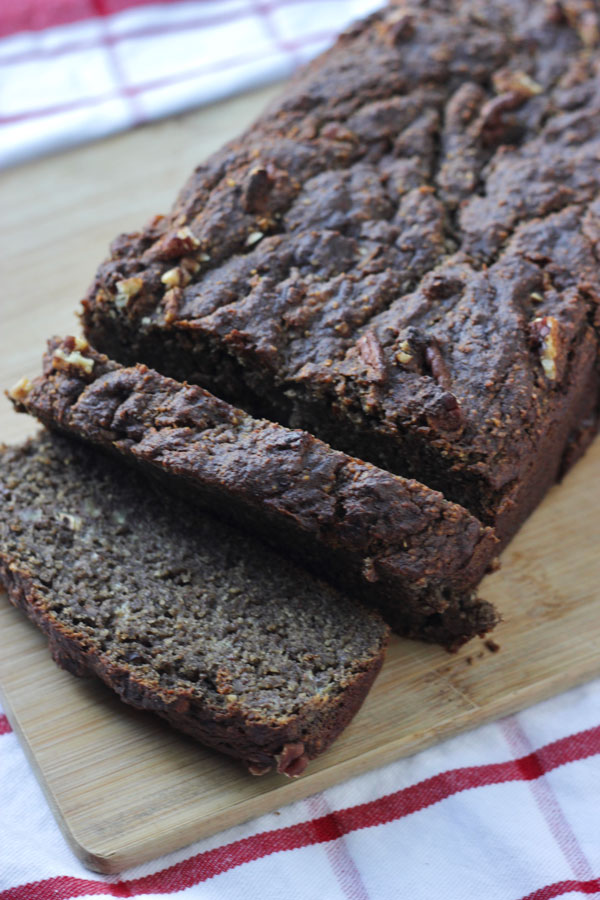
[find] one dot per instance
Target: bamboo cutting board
(125, 787)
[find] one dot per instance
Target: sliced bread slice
(391, 541)
(179, 613)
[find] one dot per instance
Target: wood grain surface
(124, 787)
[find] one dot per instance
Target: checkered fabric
(506, 812)
(75, 70)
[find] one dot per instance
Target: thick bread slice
(177, 612)
(391, 541)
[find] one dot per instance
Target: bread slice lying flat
(179, 613)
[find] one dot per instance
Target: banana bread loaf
(177, 612)
(400, 256)
(392, 542)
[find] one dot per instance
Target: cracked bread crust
(180, 614)
(401, 256)
(390, 541)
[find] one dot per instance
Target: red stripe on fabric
(549, 806)
(560, 888)
(134, 90)
(150, 30)
(263, 11)
(154, 30)
(135, 109)
(37, 15)
(131, 90)
(340, 860)
(392, 807)
(56, 110)
(4, 725)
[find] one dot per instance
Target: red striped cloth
(505, 812)
(74, 70)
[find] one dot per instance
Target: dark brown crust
(401, 256)
(256, 737)
(392, 542)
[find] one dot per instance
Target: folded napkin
(506, 812)
(74, 70)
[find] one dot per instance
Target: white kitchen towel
(74, 70)
(505, 812)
